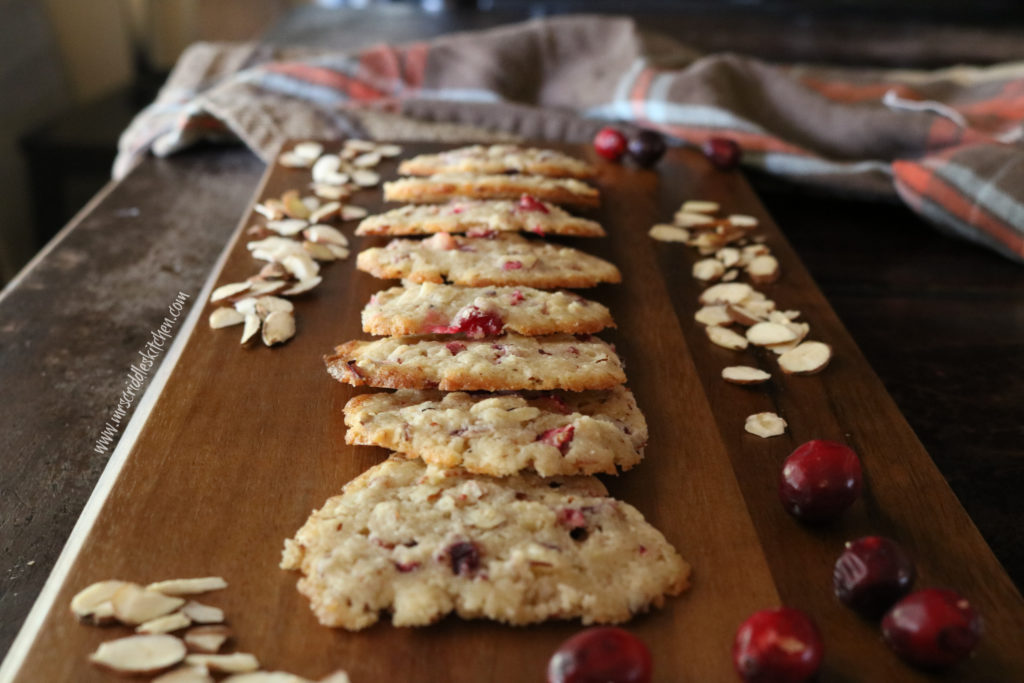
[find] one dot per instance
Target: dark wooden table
(939, 319)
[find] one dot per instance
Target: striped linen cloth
(945, 142)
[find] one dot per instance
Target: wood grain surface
(243, 442)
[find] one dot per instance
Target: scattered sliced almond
(742, 221)
(273, 248)
(300, 264)
(742, 315)
(293, 205)
(138, 655)
(806, 359)
(92, 603)
(265, 287)
(246, 306)
(135, 605)
(708, 270)
(358, 145)
(763, 269)
(389, 151)
(278, 328)
(266, 677)
(293, 160)
(353, 213)
(727, 293)
(752, 251)
(730, 275)
(165, 624)
(186, 674)
(726, 338)
(729, 256)
(202, 614)
(252, 326)
(304, 285)
(325, 234)
(271, 209)
(799, 330)
(699, 206)
(339, 251)
(760, 307)
(334, 192)
(229, 290)
(196, 586)
(712, 315)
(326, 168)
(664, 232)
(225, 317)
(365, 178)
(238, 662)
(769, 334)
(744, 374)
(367, 160)
(336, 677)
(318, 251)
(689, 219)
(310, 150)
(288, 226)
(765, 425)
(265, 305)
(207, 639)
(328, 210)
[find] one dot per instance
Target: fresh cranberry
(601, 655)
(647, 147)
(777, 646)
(724, 153)
(478, 324)
(559, 437)
(871, 574)
(932, 628)
(464, 557)
(610, 143)
(530, 203)
(820, 479)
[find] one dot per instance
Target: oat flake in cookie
(560, 433)
(421, 543)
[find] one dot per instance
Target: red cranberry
(724, 153)
(530, 203)
(455, 347)
(932, 628)
(559, 437)
(647, 147)
(601, 655)
(512, 265)
(820, 479)
(871, 574)
(478, 324)
(464, 557)
(610, 143)
(777, 646)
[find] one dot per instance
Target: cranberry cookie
(495, 159)
(445, 186)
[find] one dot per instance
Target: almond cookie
(495, 159)
(422, 543)
(478, 312)
(439, 188)
(480, 216)
(506, 363)
(506, 259)
(559, 433)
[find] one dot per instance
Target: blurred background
(74, 73)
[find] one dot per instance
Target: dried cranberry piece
(559, 437)
(516, 298)
(464, 557)
(531, 203)
(537, 230)
(512, 265)
(485, 233)
(455, 347)
(442, 329)
(571, 518)
(407, 566)
(477, 324)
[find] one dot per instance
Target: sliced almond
(806, 359)
(699, 206)
(294, 207)
(229, 290)
(165, 624)
(203, 584)
(359, 145)
(92, 603)
(388, 151)
(365, 178)
(325, 212)
(350, 212)
(664, 232)
(265, 287)
(246, 306)
(333, 192)
(728, 293)
(752, 251)
(690, 219)
(225, 317)
(202, 614)
(367, 160)
(278, 327)
(708, 270)
(293, 160)
(339, 251)
(266, 677)
(273, 248)
(759, 307)
(726, 338)
(729, 256)
(742, 221)
(326, 167)
(742, 315)
(252, 326)
(301, 265)
(238, 662)
(765, 425)
(139, 655)
(799, 330)
(313, 204)
(273, 271)
(288, 226)
(265, 305)
(186, 674)
(325, 234)
(763, 269)
(336, 677)
(207, 639)
(318, 251)
(135, 605)
(712, 315)
(310, 150)
(271, 209)
(768, 334)
(730, 275)
(744, 374)
(304, 285)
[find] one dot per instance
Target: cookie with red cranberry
(421, 543)
(507, 363)
(561, 433)
(478, 312)
(480, 217)
(502, 260)
(443, 187)
(495, 159)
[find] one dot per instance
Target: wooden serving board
(242, 443)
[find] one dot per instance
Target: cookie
(478, 312)
(503, 260)
(510, 362)
(480, 216)
(445, 186)
(495, 159)
(421, 543)
(560, 433)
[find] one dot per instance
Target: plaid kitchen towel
(947, 142)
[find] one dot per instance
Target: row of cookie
(421, 540)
